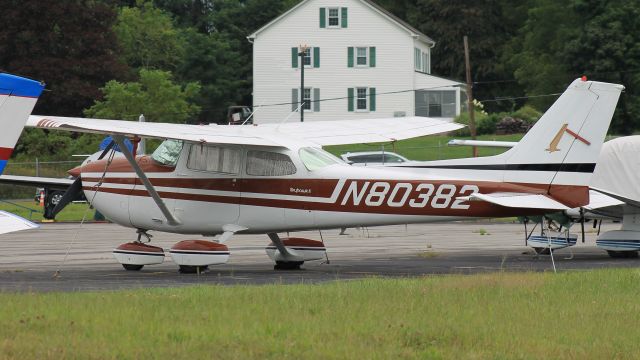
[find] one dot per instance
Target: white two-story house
(361, 62)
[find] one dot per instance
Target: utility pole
(141, 148)
(472, 118)
(303, 50)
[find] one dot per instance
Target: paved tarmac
(29, 260)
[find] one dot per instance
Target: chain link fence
(53, 169)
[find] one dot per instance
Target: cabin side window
(266, 163)
(214, 158)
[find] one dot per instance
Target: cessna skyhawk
(274, 178)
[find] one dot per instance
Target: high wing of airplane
(18, 96)
(268, 179)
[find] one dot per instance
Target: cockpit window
(168, 152)
(313, 158)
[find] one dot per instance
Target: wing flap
(518, 200)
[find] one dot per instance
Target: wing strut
(171, 219)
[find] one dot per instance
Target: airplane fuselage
(263, 200)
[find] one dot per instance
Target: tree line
(188, 60)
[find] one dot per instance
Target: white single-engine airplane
(223, 180)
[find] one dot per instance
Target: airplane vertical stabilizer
(18, 96)
(564, 145)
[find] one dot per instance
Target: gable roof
(375, 7)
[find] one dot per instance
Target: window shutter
(323, 18)
(350, 96)
(372, 99)
(372, 56)
(294, 99)
(294, 57)
(344, 17)
(316, 98)
(316, 57)
(350, 56)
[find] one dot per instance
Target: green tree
(607, 48)
(68, 44)
(154, 95)
(483, 21)
(148, 37)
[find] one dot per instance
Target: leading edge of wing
(213, 134)
(323, 133)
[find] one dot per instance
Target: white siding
(274, 77)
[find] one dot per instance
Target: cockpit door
(208, 180)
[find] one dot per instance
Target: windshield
(313, 158)
(168, 152)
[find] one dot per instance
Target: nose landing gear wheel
(288, 265)
(131, 267)
(188, 269)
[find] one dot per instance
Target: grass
(73, 212)
(585, 315)
(432, 147)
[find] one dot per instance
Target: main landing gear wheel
(131, 267)
(189, 269)
(541, 251)
(623, 254)
(288, 265)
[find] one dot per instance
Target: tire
(288, 265)
(55, 198)
(542, 251)
(132, 267)
(622, 254)
(188, 269)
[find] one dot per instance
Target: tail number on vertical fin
(379, 193)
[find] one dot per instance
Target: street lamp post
(303, 50)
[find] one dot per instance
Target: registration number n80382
(399, 194)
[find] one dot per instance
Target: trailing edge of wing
(519, 200)
(321, 133)
(10, 223)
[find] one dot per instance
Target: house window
(361, 99)
(422, 61)
(436, 103)
(306, 97)
(306, 58)
(361, 56)
(334, 17)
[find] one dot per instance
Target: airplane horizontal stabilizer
(518, 200)
(10, 223)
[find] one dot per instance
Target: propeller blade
(71, 194)
(106, 150)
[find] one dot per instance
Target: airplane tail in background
(18, 96)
